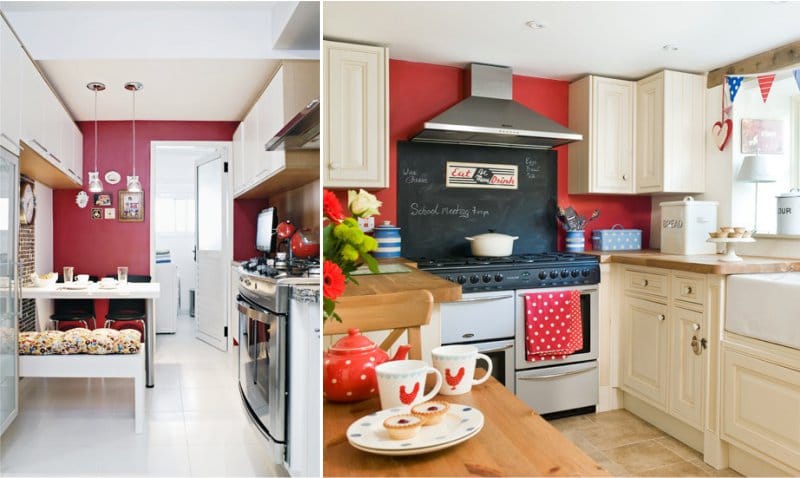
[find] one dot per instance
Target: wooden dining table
(514, 441)
(150, 291)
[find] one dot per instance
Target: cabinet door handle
(331, 165)
(39, 144)
(624, 177)
(54, 157)
(696, 346)
(661, 317)
(695, 327)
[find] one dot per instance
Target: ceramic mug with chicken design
(456, 363)
(402, 382)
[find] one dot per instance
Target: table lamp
(757, 169)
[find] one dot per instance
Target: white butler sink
(765, 307)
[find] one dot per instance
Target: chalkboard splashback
(435, 218)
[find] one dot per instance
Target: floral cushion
(79, 341)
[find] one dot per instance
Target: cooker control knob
(461, 280)
(553, 274)
(498, 277)
(487, 278)
(575, 273)
(564, 273)
(586, 272)
(474, 279)
(542, 275)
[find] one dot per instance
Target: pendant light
(95, 185)
(134, 185)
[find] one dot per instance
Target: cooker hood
(489, 117)
(301, 132)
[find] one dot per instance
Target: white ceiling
(620, 39)
(199, 61)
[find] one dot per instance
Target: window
(175, 216)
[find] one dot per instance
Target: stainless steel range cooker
(491, 316)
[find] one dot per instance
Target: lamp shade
(758, 169)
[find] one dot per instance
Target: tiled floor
(628, 446)
(195, 424)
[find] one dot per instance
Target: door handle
(661, 317)
(486, 299)
(554, 375)
(194, 253)
(494, 350)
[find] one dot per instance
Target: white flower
(362, 203)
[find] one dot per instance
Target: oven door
(501, 353)
(262, 367)
(589, 322)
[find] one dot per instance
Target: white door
(212, 272)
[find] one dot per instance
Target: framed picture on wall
(102, 199)
(131, 206)
(762, 136)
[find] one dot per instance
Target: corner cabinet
(356, 109)
(11, 57)
(670, 143)
(602, 110)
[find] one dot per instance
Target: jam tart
(402, 427)
(431, 412)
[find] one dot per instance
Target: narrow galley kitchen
(153, 158)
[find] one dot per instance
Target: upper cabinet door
(355, 140)
(10, 88)
(650, 134)
(602, 110)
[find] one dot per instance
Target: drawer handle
(661, 317)
(644, 282)
(468, 336)
(688, 290)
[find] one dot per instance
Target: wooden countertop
(702, 264)
(514, 441)
(442, 290)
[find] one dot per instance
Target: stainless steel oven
(262, 370)
(485, 320)
(561, 385)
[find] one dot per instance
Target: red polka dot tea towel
(553, 327)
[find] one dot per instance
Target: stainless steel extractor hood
(301, 132)
(491, 118)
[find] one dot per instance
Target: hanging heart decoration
(722, 130)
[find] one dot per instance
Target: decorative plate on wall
(112, 177)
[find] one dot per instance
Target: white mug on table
(83, 278)
(457, 364)
(402, 382)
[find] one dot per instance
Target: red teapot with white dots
(348, 371)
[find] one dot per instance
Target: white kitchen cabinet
(670, 147)
(761, 407)
(77, 152)
(645, 357)
(602, 110)
(249, 148)
(34, 104)
(238, 158)
(687, 371)
(355, 140)
(11, 57)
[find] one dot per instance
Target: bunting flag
(797, 77)
(734, 82)
(765, 84)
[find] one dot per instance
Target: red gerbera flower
(332, 280)
(331, 207)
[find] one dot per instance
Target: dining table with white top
(150, 291)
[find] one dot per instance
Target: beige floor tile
(642, 456)
(606, 435)
(579, 422)
(711, 471)
(683, 468)
(684, 451)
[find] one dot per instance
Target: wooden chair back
(397, 312)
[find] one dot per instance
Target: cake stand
(730, 247)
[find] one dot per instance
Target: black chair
(128, 313)
(73, 313)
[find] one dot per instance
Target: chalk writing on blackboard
(532, 167)
(417, 209)
(412, 176)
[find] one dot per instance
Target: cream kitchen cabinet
(670, 143)
(293, 86)
(11, 57)
(238, 158)
(602, 110)
(663, 332)
(356, 109)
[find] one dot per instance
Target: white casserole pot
(491, 244)
(789, 212)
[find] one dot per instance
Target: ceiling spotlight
(669, 47)
(535, 25)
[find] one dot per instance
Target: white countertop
(133, 290)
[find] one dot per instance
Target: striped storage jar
(575, 241)
(388, 237)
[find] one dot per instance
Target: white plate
(75, 286)
(113, 285)
(459, 424)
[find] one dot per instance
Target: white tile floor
(195, 423)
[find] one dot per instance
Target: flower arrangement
(344, 245)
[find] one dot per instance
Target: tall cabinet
(9, 191)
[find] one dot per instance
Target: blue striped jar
(388, 237)
(575, 241)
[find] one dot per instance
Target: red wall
(97, 247)
(245, 217)
(419, 91)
